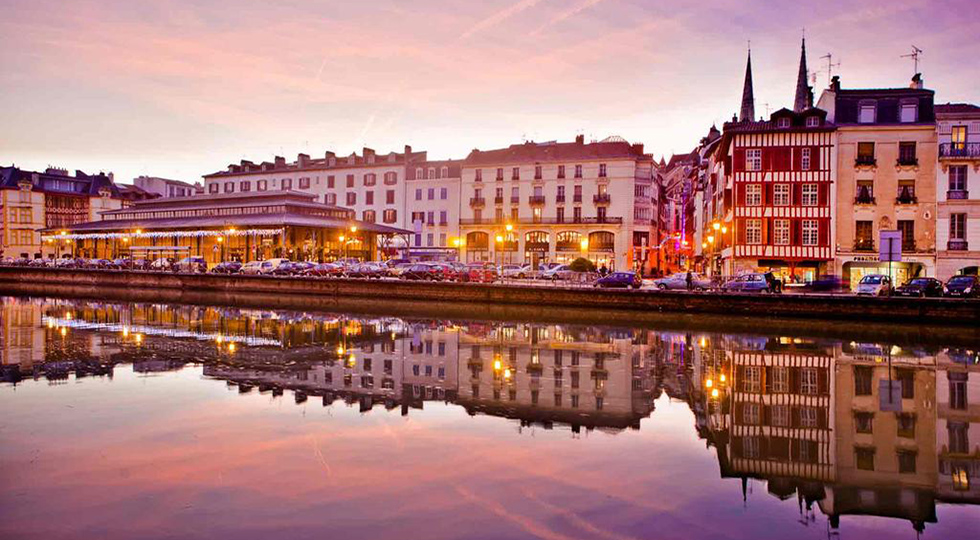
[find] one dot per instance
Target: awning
(162, 234)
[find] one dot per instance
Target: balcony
(957, 195)
(477, 202)
(970, 150)
(536, 200)
(498, 200)
(864, 199)
(515, 200)
(865, 161)
(864, 244)
(957, 245)
(545, 221)
(560, 199)
(907, 162)
(601, 198)
(576, 198)
(905, 198)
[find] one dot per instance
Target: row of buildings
(804, 192)
(849, 427)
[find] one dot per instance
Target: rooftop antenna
(914, 55)
(830, 66)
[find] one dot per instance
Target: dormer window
(909, 112)
(812, 121)
(782, 123)
(866, 113)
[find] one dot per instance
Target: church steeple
(804, 97)
(747, 114)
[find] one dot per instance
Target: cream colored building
(533, 203)
(886, 178)
(432, 206)
(958, 190)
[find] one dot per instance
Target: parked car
(756, 282)
(420, 272)
(252, 268)
(100, 264)
(620, 280)
(514, 271)
(874, 285)
(325, 270)
(163, 264)
(922, 287)
(367, 270)
(444, 271)
(479, 273)
(227, 267)
(963, 287)
(289, 268)
(678, 281)
(194, 265)
(825, 283)
(39, 263)
(554, 273)
(269, 266)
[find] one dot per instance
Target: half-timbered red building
(780, 173)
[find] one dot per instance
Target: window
(263, 185)
(862, 380)
(811, 229)
(959, 437)
(957, 227)
(780, 194)
(957, 138)
(780, 380)
(602, 170)
(753, 159)
(351, 198)
(811, 195)
(390, 196)
(865, 458)
(577, 214)
(906, 461)
(957, 179)
(444, 172)
(430, 240)
(245, 186)
(432, 173)
(753, 195)
(906, 153)
(442, 243)
(391, 178)
(865, 192)
(419, 173)
(812, 121)
(304, 183)
(369, 198)
(780, 229)
(331, 198)
(560, 214)
(751, 379)
(500, 174)
(907, 378)
(213, 188)
(561, 171)
(431, 218)
(782, 123)
(906, 425)
(864, 236)
(907, 228)
(478, 175)
(515, 173)
(957, 390)
(229, 187)
(330, 182)
(780, 415)
(805, 159)
(864, 422)
(578, 171)
(287, 184)
(370, 179)
(808, 381)
(750, 447)
(390, 216)
(808, 417)
(537, 172)
(443, 193)
(753, 231)
(750, 413)
(432, 194)
(866, 153)
(577, 193)
(866, 113)
(910, 112)
(369, 216)
(418, 194)
(350, 180)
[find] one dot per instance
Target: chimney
(331, 158)
(302, 160)
(580, 139)
(368, 154)
(280, 161)
(835, 83)
(916, 82)
(408, 152)
(638, 149)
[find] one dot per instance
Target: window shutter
(797, 193)
(767, 190)
(794, 228)
(797, 159)
(740, 194)
(740, 231)
(814, 158)
(823, 226)
(823, 194)
(766, 159)
(767, 230)
(738, 160)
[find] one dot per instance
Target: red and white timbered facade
(781, 174)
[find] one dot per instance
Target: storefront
(242, 227)
(856, 267)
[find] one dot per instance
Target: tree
(582, 264)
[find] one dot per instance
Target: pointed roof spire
(803, 99)
(747, 113)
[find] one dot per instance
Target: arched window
(509, 241)
(602, 241)
(536, 241)
(477, 240)
(568, 241)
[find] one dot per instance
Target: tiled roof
(531, 152)
(956, 108)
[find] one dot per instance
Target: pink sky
(180, 88)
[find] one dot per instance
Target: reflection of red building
(781, 171)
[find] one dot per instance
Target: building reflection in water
(846, 428)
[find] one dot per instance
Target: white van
(270, 265)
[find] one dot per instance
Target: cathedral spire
(803, 98)
(747, 114)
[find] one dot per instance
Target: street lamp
(711, 239)
(716, 225)
(509, 227)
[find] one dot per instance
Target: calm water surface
(161, 421)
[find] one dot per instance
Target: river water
(144, 420)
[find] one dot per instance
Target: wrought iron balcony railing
(960, 150)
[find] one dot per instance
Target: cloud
(499, 17)
(567, 14)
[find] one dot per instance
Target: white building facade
(432, 207)
(533, 203)
(958, 190)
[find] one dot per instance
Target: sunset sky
(181, 88)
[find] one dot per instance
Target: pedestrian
(690, 280)
(603, 270)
